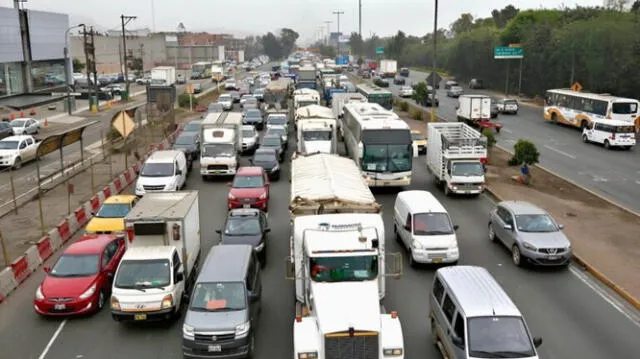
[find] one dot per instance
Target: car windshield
(157, 170)
(277, 120)
(275, 131)
(316, 135)
(432, 224)
(242, 226)
(76, 265)
(258, 92)
(271, 141)
(624, 108)
(248, 182)
(467, 169)
(623, 129)
(406, 88)
(250, 100)
(511, 102)
(417, 137)
(219, 296)
(192, 127)
(499, 337)
(387, 158)
(219, 150)
(17, 123)
(535, 223)
(253, 113)
(248, 133)
(185, 140)
(264, 157)
(113, 210)
(141, 274)
(344, 268)
(224, 98)
(8, 145)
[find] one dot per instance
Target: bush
(404, 106)
(183, 100)
(491, 138)
(417, 115)
(524, 152)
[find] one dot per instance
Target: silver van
(472, 317)
(225, 305)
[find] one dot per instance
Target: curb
(35, 256)
(586, 266)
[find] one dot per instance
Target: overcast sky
(242, 17)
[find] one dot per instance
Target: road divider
(23, 266)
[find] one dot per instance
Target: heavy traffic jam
(141, 256)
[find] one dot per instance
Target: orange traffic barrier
(12, 116)
(32, 112)
(21, 114)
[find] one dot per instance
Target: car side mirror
(46, 269)
(267, 230)
(219, 231)
(229, 184)
(537, 341)
(457, 341)
(508, 227)
(407, 227)
(455, 227)
(179, 277)
(561, 226)
(179, 173)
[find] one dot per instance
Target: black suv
(247, 226)
(273, 142)
(399, 80)
(404, 72)
(267, 158)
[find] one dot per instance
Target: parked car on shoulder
(17, 150)
(5, 130)
(25, 126)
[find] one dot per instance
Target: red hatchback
(80, 281)
(249, 189)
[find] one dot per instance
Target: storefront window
(47, 74)
(11, 79)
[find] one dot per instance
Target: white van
(610, 133)
(471, 316)
(424, 227)
(162, 171)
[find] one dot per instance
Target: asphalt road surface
(573, 314)
(614, 174)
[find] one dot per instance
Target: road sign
(576, 87)
(380, 50)
(515, 45)
(504, 52)
(189, 89)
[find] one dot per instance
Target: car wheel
(412, 262)
(492, 233)
(585, 139)
(516, 256)
(101, 300)
(607, 145)
(17, 164)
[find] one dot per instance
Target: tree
(502, 17)
(635, 8)
(287, 41)
(396, 45)
(617, 5)
(463, 24)
(135, 64)
(326, 50)
(356, 44)
(78, 65)
(271, 45)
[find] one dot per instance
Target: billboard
(240, 56)
(47, 34)
(221, 53)
(10, 38)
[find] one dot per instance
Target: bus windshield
(343, 268)
(387, 158)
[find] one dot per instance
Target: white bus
(376, 94)
(380, 144)
(579, 109)
(201, 70)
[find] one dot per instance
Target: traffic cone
(32, 112)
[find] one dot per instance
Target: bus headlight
(392, 352)
(308, 355)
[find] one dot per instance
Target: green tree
(327, 51)
(463, 24)
(502, 17)
(271, 45)
(287, 41)
(356, 44)
(636, 6)
(396, 45)
(525, 152)
(78, 65)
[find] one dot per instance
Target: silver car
(530, 233)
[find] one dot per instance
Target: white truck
(316, 130)
(157, 272)
(388, 68)
(473, 108)
(306, 99)
(338, 263)
(163, 76)
(217, 73)
(340, 99)
(221, 144)
(455, 155)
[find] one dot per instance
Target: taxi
(110, 217)
(419, 140)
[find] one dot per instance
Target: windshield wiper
(223, 309)
(498, 354)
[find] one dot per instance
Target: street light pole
(67, 64)
(360, 32)
(434, 72)
(328, 31)
(338, 13)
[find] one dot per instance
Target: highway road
(614, 174)
(574, 315)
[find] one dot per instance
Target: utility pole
(328, 31)
(95, 68)
(90, 64)
(360, 32)
(434, 72)
(125, 20)
(338, 13)
(142, 55)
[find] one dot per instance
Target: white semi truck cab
(317, 135)
(221, 144)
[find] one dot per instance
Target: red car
(249, 189)
(80, 281)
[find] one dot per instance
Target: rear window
(511, 102)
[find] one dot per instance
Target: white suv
(610, 133)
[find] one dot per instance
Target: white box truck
(316, 130)
(388, 68)
(473, 108)
(163, 76)
(157, 272)
(220, 144)
(339, 263)
(455, 155)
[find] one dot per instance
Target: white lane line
(614, 302)
(52, 340)
(560, 152)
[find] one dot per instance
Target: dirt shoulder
(602, 234)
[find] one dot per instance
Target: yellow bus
(578, 109)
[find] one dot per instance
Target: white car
(250, 138)
(610, 133)
(226, 100)
(230, 85)
(244, 98)
(16, 150)
(25, 126)
(406, 91)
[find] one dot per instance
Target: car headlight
(392, 352)
(529, 246)
(275, 168)
(263, 196)
(231, 196)
(187, 330)
(416, 245)
(89, 292)
(308, 355)
(39, 294)
(115, 303)
(167, 302)
(243, 329)
(139, 186)
(259, 247)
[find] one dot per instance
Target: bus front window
(387, 158)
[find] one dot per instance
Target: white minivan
(423, 226)
(610, 133)
(163, 171)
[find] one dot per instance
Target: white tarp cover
(314, 111)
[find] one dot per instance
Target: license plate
(246, 205)
(437, 260)
(553, 258)
(467, 192)
(59, 307)
(387, 182)
(215, 348)
(140, 317)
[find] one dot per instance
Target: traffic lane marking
(559, 151)
(53, 339)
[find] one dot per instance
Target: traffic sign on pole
(380, 50)
(576, 87)
(505, 52)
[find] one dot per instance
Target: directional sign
(576, 87)
(504, 52)
(189, 89)
(380, 50)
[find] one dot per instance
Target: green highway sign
(380, 50)
(504, 52)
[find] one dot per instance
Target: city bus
(201, 70)
(578, 109)
(375, 94)
(380, 144)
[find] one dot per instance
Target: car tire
(585, 139)
(17, 164)
(492, 233)
(102, 299)
(516, 256)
